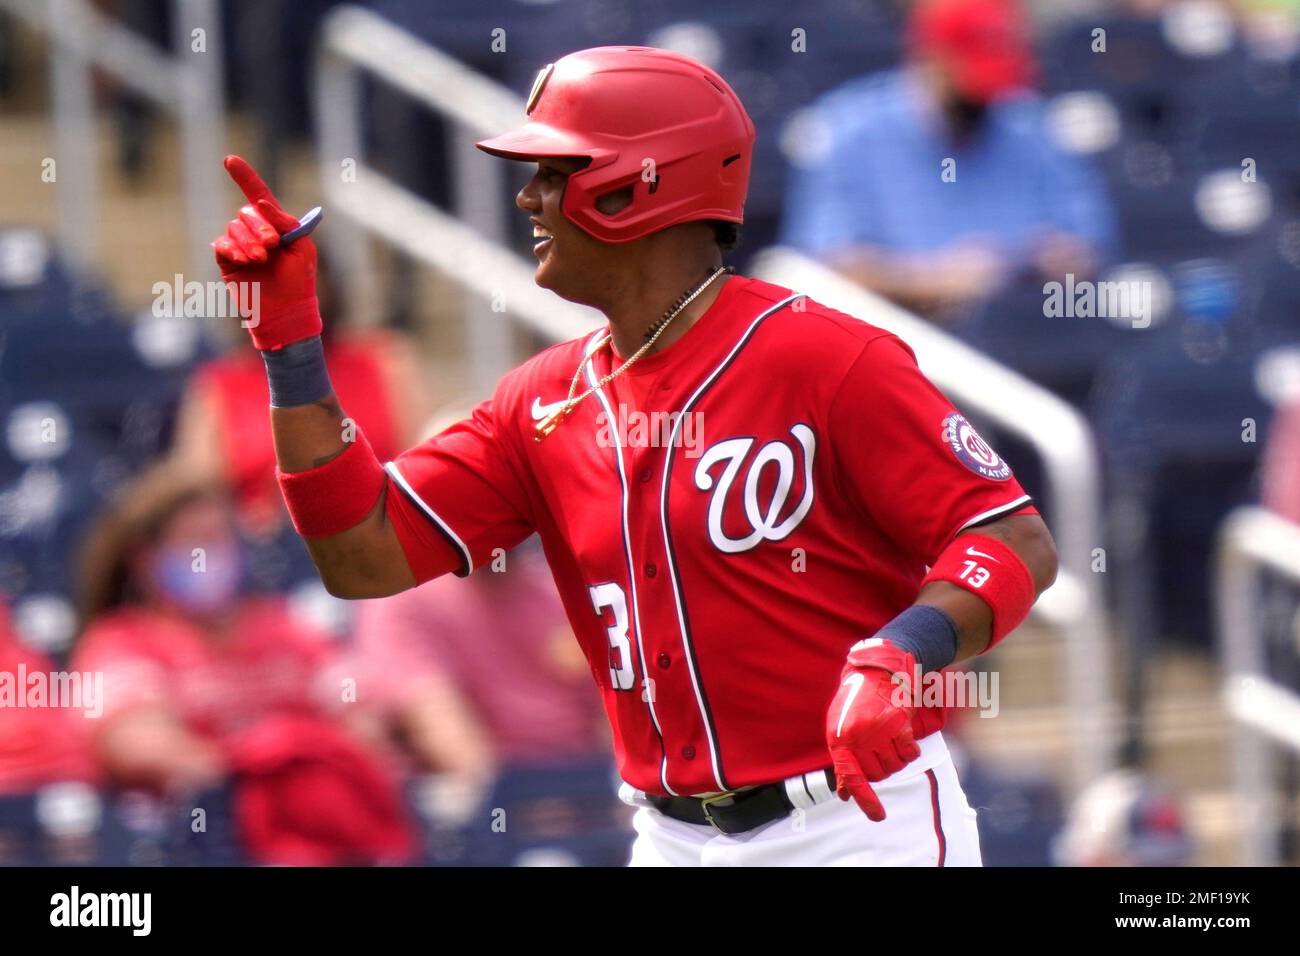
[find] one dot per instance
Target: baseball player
(760, 581)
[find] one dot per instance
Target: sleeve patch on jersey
(971, 450)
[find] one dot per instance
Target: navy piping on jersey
(631, 565)
(937, 817)
(453, 539)
(701, 697)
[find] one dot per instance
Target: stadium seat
(1018, 814)
(1176, 426)
(1275, 313)
(566, 814)
(63, 824)
(1239, 108)
(1013, 328)
(85, 400)
(1137, 69)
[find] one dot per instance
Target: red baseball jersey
(723, 521)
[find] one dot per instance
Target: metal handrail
(1264, 713)
(1074, 607)
(186, 83)
(355, 41)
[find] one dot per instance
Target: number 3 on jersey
(620, 648)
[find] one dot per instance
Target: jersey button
(645, 474)
(664, 661)
(650, 570)
(688, 753)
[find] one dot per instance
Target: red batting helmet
(655, 120)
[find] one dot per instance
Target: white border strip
(392, 472)
(663, 522)
(588, 351)
(796, 793)
(1000, 509)
(817, 785)
(807, 790)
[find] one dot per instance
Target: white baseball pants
(927, 823)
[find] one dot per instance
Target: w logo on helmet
(539, 84)
(769, 520)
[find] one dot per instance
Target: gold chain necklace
(553, 421)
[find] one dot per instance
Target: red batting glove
(869, 724)
(284, 308)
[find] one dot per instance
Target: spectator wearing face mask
(938, 183)
(204, 687)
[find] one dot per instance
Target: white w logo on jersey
(764, 522)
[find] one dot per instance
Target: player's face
(568, 260)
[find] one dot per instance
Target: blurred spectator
(38, 745)
(1271, 26)
(49, 810)
(1123, 819)
(938, 183)
(483, 673)
(203, 686)
(224, 431)
(1281, 465)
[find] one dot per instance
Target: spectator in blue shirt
(937, 183)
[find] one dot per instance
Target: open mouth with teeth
(541, 238)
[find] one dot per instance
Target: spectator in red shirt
(202, 685)
(223, 431)
(482, 673)
(38, 745)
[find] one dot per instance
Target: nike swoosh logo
(541, 411)
(856, 680)
(866, 642)
(982, 555)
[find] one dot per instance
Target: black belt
(733, 812)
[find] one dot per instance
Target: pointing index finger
(247, 179)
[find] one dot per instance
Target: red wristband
(994, 573)
(337, 495)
